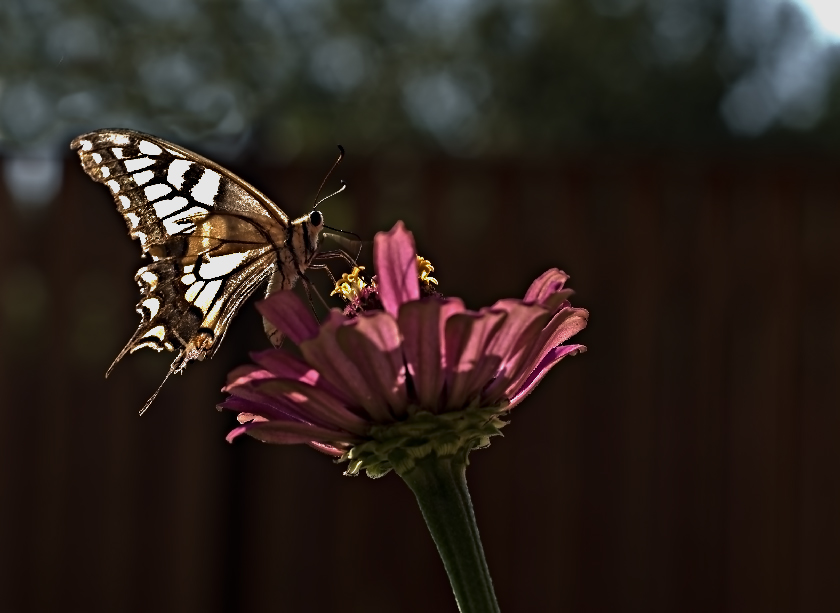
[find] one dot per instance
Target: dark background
(679, 159)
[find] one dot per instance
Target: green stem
(440, 485)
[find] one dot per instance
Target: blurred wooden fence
(687, 462)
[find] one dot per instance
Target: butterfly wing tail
(125, 350)
(178, 365)
(149, 402)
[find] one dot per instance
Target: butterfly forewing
(212, 237)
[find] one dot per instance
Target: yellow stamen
(350, 284)
(424, 268)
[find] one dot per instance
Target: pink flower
(426, 366)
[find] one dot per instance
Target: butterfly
(213, 239)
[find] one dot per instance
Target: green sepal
(400, 445)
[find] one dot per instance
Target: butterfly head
(306, 234)
(316, 219)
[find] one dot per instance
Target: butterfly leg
(310, 287)
(325, 268)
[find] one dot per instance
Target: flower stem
(440, 485)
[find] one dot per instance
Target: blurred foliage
(468, 77)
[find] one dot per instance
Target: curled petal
(513, 343)
(284, 432)
(395, 259)
(563, 326)
(548, 290)
(289, 315)
(548, 283)
(325, 354)
(372, 341)
(468, 369)
(318, 405)
(549, 360)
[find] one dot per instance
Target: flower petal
(318, 405)
(423, 326)
(395, 259)
(285, 433)
(328, 449)
(513, 343)
(289, 315)
(244, 374)
(550, 359)
(325, 354)
(284, 365)
(373, 342)
(247, 398)
(468, 369)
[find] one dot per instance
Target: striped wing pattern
(212, 238)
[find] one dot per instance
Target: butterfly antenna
(338, 191)
(324, 182)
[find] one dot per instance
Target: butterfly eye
(315, 218)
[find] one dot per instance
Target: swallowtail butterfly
(212, 239)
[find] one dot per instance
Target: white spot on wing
(220, 265)
(207, 295)
(182, 220)
(96, 158)
(87, 145)
(138, 164)
(149, 148)
(188, 268)
(105, 172)
(207, 187)
(120, 139)
(164, 208)
(153, 304)
(158, 331)
(188, 279)
(214, 313)
(193, 291)
(133, 219)
(175, 174)
(174, 152)
(143, 177)
(149, 277)
(158, 190)
(142, 237)
(117, 152)
(125, 202)
(115, 187)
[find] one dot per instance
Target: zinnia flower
(405, 379)
(415, 361)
